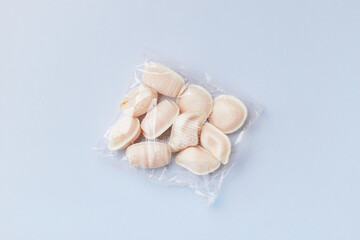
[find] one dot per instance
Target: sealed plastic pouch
(177, 127)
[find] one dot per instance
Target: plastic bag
(207, 186)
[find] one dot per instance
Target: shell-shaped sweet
(138, 101)
(123, 133)
(149, 154)
(195, 98)
(197, 160)
(229, 113)
(162, 79)
(159, 119)
(186, 129)
(216, 142)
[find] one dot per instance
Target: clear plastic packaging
(207, 186)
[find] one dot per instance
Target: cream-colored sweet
(216, 142)
(159, 119)
(195, 98)
(162, 79)
(229, 113)
(149, 154)
(185, 130)
(123, 133)
(197, 160)
(138, 101)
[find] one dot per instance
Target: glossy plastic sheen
(195, 99)
(216, 142)
(197, 160)
(138, 101)
(149, 154)
(162, 79)
(185, 131)
(167, 77)
(159, 119)
(123, 133)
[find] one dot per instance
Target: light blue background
(65, 64)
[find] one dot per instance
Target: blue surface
(63, 66)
